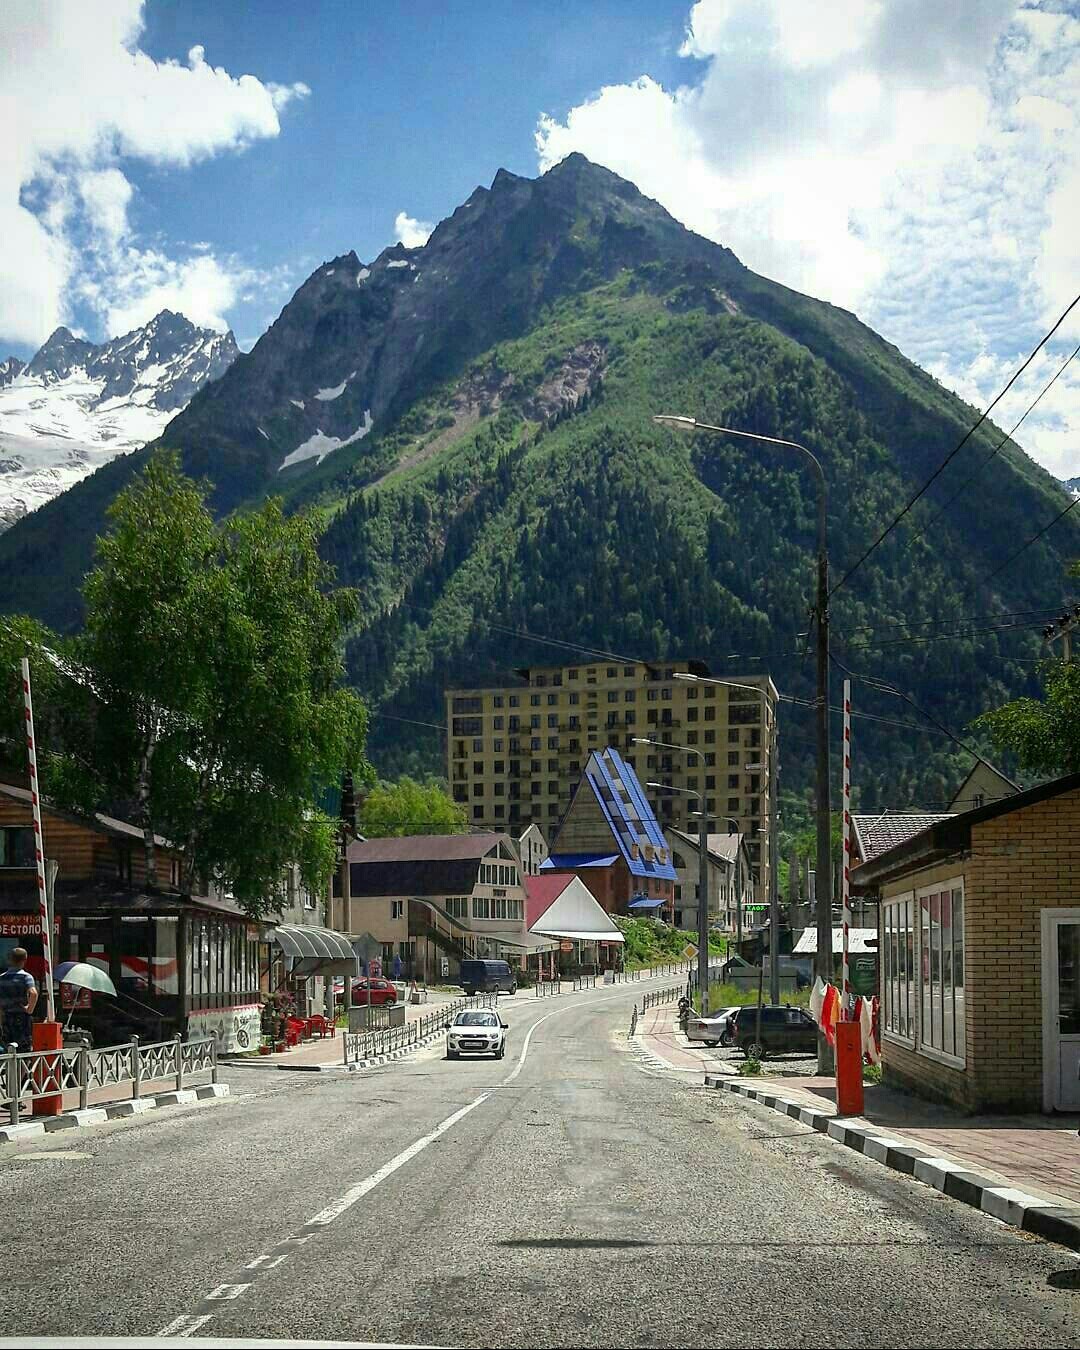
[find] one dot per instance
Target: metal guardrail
(582, 982)
(545, 988)
(362, 1045)
(33, 1074)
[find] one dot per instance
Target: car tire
(725, 1039)
(500, 1052)
(754, 1050)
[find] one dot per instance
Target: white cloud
(77, 98)
(411, 232)
(914, 160)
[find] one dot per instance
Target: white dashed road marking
(189, 1323)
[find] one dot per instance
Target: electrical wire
(1033, 540)
(993, 453)
(884, 534)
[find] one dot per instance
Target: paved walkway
(1038, 1154)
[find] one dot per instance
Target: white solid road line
(188, 1323)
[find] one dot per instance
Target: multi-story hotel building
(517, 750)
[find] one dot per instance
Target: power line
(927, 639)
(960, 618)
(884, 688)
(954, 451)
(1034, 539)
(993, 453)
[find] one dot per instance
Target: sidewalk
(329, 1051)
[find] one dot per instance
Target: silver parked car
(476, 1031)
(716, 1029)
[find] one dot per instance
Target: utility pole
(774, 866)
(1063, 629)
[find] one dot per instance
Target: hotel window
(571, 674)
(710, 691)
(629, 695)
(478, 813)
(496, 744)
(457, 906)
(514, 700)
(691, 738)
(611, 672)
(497, 724)
(497, 701)
(710, 737)
(481, 907)
(553, 743)
(534, 700)
(478, 746)
(733, 738)
(575, 697)
(397, 909)
(613, 696)
(628, 670)
(710, 714)
(553, 719)
(553, 700)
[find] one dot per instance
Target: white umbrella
(83, 975)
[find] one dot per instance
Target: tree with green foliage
(409, 807)
(216, 654)
(1043, 734)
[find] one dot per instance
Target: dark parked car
(784, 1030)
(487, 977)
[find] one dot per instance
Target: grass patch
(735, 996)
(749, 1068)
(871, 1073)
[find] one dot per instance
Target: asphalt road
(573, 1197)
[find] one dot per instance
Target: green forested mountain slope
(513, 478)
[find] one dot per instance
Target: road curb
(1009, 1204)
(98, 1115)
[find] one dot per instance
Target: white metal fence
(370, 1044)
(30, 1075)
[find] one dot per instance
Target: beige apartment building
(516, 750)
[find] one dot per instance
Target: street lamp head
(641, 740)
(684, 675)
(675, 420)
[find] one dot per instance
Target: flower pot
(264, 1049)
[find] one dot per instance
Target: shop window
(17, 847)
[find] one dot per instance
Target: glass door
(1063, 1050)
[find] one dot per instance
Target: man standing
(18, 999)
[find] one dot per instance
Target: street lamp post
(823, 958)
(703, 871)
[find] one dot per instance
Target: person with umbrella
(18, 999)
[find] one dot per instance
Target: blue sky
(913, 161)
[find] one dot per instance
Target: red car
(373, 991)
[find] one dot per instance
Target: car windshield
(476, 1019)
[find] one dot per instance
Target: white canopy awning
(527, 942)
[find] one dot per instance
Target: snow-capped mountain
(78, 404)
(9, 369)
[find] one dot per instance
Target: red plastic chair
(294, 1031)
(319, 1026)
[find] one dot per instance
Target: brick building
(979, 937)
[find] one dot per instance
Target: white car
(713, 1030)
(476, 1031)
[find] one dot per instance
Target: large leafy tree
(215, 650)
(409, 807)
(1043, 734)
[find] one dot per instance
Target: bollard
(136, 1069)
(48, 1036)
(849, 1084)
(13, 1082)
(178, 1045)
(84, 1076)
(213, 1060)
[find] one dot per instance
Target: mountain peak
(10, 369)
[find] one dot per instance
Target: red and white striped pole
(39, 841)
(847, 1002)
